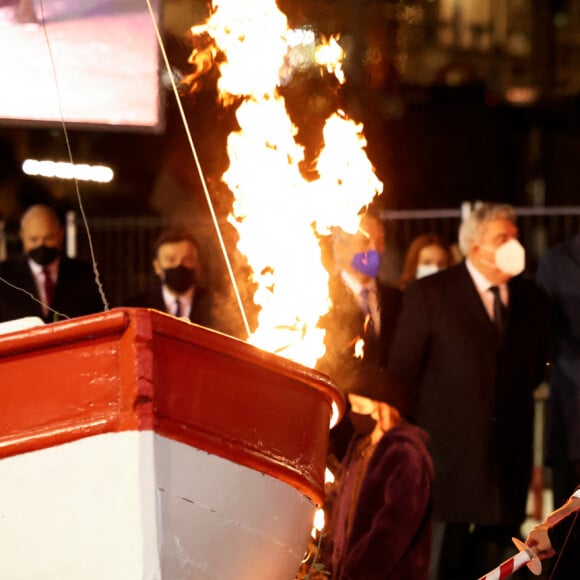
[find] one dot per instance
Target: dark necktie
(48, 286)
(498, 310)
(177, 307)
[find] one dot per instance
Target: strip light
(65, 170)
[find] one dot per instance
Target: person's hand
(570, 506)
(539, 540)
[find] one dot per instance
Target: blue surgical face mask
(367, 263)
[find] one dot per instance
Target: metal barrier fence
(123, 253)
(539, 227)
(122, 246)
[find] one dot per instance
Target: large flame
(278, 214)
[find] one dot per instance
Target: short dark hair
(173, 236)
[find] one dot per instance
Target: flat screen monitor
(91, 63)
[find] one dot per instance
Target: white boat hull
(138, 506)
(135, 446)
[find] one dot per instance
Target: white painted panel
(83, 510)
(89, 510)
(227, 521)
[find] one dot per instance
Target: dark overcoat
(472, 391)
(344, 324)
(559, 274)
(76, 292)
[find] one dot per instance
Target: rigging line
(199, 169)
(43, 304)
(565, 544)
(69, 150)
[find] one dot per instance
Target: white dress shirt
(185, 301)
(483, 285)
(373, 297)
(38, 275)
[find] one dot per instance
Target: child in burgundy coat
(380, 520)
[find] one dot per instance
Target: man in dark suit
(176, 261)
(559, 274)
(470, 350)
(361, 322)
(43, 282)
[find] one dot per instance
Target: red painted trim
(139, 369)
(62, 333)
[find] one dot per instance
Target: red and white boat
(137, 446)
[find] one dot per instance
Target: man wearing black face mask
(176, 262)
(44, 282)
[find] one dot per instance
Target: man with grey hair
(470, 350)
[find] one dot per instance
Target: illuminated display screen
(87, 62)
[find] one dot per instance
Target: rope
(193, 150)
(56, 312)
(564, 546)
(199, 169)
(70, 155)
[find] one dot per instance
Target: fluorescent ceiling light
(66, 170)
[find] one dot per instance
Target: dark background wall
(434, 143)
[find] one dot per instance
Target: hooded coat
(390, 535)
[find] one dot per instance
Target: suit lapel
(199, 312)
(156, 299)
(27, 278)
(193, 309)
(61, 277)
(471, 303)
(26, 282)
(518, 303)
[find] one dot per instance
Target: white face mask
(426, 270)
(510, 258)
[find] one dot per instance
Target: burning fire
(278, 214)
